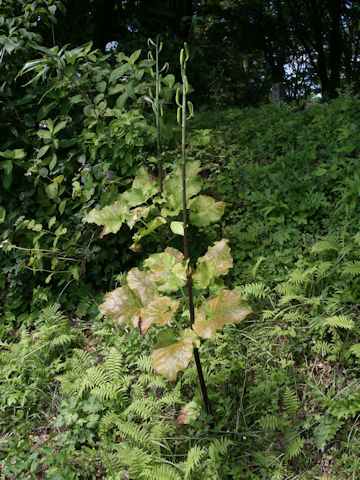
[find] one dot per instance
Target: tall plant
(155, 295)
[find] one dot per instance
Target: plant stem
(158, 116)
(186, 244)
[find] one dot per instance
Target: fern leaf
(330, 243)
(291, 401)
(270, 423)
(325, 431)
(294, 447)
(351, 269)
(192, 460)
(355, 349)
(162, 472)
(339, 321)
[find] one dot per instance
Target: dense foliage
(80, 397)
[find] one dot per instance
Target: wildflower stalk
(184, 55)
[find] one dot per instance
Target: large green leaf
(122, 306)
(158, 311)
(213, 313)
(205, 210)
(216, 261)
(143, 187)
(111, 217)
(170, 359)
(173, 191)
(169, 269)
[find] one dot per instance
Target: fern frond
(144, 408)
(107, 391)
(339, 321)
(294, 447)
(323, 348)
(322, 269)
(270, 423)
(357, 238)
(355, 349)
(144, 363)
(51, 315)
(114, 363)
(329, 243)
(135, 432)
(257, 290)
(301, 275)
(351, 269)
(325, 431)
(162, 472)
(291, 401)
(193, 458)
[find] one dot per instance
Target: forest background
(79, 396)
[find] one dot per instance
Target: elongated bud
(178, 115)
(165, 68)
(161, 46)
(177, 97)
(186, 84)
(182, 57)
(150, 56)
(150, 42)
(186, 48)
(191, 109)
(161, 111)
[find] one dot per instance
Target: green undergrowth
(79, 398)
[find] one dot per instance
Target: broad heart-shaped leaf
(143, 187)
(122, 306)
(153, 225)
(111, 217)
(158, 311)
(146, 182)
(170, 359)
(205, 210)
(216, 261)
(173, 191)
(169, 269)
(142, 283)
(214, 313)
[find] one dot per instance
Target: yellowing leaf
(122, 306)
(142, 283)
(176, 254)
(216, 261)
(111, 217)
(227, 307)
(145, 182)
(143, 187)
(205, 210)
(169, 269)
(170, 359)
(190, 411)
(158, 311)
(135, 215)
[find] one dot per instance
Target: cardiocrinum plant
(167, 290)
